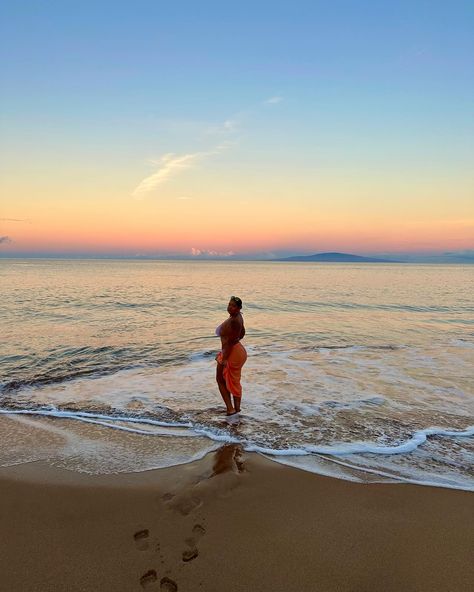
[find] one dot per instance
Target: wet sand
(231, 522)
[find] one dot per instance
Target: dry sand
(230, 523)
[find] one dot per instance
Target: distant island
(336, 258)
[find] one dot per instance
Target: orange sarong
(232, 371)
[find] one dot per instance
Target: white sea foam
(418, 438)
(357, 472)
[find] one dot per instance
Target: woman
(232, 357)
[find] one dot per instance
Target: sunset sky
(204, 128)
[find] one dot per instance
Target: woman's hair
(237, 301)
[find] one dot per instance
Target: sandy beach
(234, 522)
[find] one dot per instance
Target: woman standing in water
(232, 357)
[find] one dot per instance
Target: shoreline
(25, 424)
(231, 521)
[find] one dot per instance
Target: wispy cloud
(273, 100)
(4, 240)
(14, 220)
(168, 166)
(171, 165)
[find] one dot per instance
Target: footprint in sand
(192, 551)
(167, 585)
(148, 580)
(190, 554)
(198, 531)
(184, 504)
(141, 539)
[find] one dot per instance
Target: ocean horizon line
(414, 260)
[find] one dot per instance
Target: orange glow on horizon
(325, 220)
(335, 237)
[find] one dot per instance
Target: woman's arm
(232, 336)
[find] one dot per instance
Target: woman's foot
(232, 417)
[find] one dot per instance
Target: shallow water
(362, 371)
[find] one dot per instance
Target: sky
(251, 129)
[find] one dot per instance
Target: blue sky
(371, 92)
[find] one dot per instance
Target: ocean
(359, 371)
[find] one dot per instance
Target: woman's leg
(236, 403)
(223, 389)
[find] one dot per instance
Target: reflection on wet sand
(228, 458)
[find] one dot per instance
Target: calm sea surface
(361, 371)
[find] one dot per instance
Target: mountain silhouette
(336, 257)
